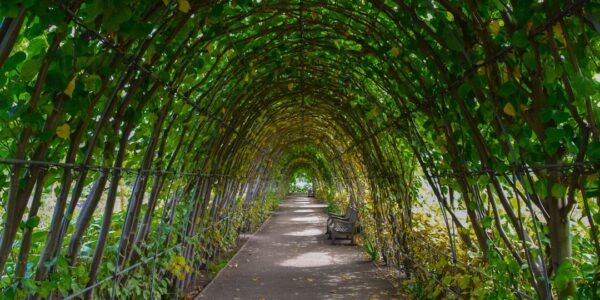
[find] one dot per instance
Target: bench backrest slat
(352, 214)
(348, 209)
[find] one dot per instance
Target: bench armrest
(336, 215)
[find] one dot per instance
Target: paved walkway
(290, 258)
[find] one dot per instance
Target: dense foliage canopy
(140, 137)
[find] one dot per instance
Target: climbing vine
(139, 138)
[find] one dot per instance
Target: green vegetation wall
(138, 138)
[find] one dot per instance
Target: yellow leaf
(505, 75)
(395, 52)
(559, 34)
(494, 27)
(509, 109)
(210, 48)
(523, 107)
(290, 86)
(70, 87)
(63, 131)
(449, 16)
(481, 69)
(184, 6)
(440, 140)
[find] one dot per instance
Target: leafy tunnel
(139, 138)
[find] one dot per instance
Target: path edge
(235, 255)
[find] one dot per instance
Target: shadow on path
(290, 258)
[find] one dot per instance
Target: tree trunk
(560, 242)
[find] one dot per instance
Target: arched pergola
(140, 137)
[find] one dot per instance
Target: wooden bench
(335, 216)
(343, 227)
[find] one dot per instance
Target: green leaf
(39, 236)
(561, 116)
(540, 187)
(450, 38)
(558, 190)
(564, 275)
(486, 222)
(9, 292)
(30, 68)
(32, 222)
(561, 282)
(583, 86)
(464, 90)
(507, 89)
(14, 60)
(529, 60)
(552, 72)
(554, 134)
(519, 39)
(51, 262)
(116, 17)
(37, 46)
(522, 10)
(593, 151)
